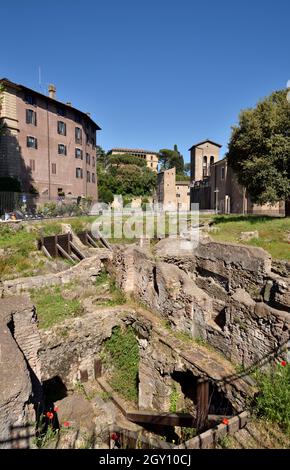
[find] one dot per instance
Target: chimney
(51, 90)
(69, 103)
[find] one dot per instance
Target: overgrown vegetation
(273, 400)
(259, 150)
(174, 395)
(121, 356)
(123, 174)
(115, 295)
(274, 232)
(16, 247)
(52, 307)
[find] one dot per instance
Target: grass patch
(273, 401)
(273, 232)
(121, 355)
(52, 307)
(16, 247)
(117, 296)
(174, 396)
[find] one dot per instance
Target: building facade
(150, 157)
(174, 195)
(214, 186)
(47, 145)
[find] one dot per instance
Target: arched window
(204, 166)
(211, 160)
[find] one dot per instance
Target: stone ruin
(231, 299)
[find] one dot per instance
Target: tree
(259, 150)
(170, 159)
(126, 159)
(7, 183)
(101, 155)
(126, 179)
(105, 195)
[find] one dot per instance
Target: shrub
(273, 400)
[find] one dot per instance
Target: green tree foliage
(126, 159)
(259, 150)
(101, 155)
(170, 159)
(124, 175)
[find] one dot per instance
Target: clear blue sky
(153, 73)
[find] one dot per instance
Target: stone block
(234, 425)
(243, 417)
(206, 439)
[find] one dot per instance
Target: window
(222, 172)
(30, 117)
(61, 111)
(87, 138)
(212, 160)
(204, 167)
(61, 127)
(79, 172)
(88, 177)
(93, 178)
(93, 161)
(78, 135)
(32, 165)
(88, 158)
(79, 153)
(61, 149)
(93, 142)
(31, 142)
(53, 168)
(30, 99)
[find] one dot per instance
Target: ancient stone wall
(224, 293)
(18, 337)
(72, 346)
(83, 271)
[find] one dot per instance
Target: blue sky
(152, 73)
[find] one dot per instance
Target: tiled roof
(133, 151)
(203, 142)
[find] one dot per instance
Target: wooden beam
(202, 404)
(77, 251)
(45, 251)
(92, 242)
(64, 253)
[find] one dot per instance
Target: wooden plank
(64, 253)
(91, 241)
(46, 252)
(101, 238)
(79, 254)
(202, 404)
(84, 376)
(97, 368)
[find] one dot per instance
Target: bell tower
(202, 156)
